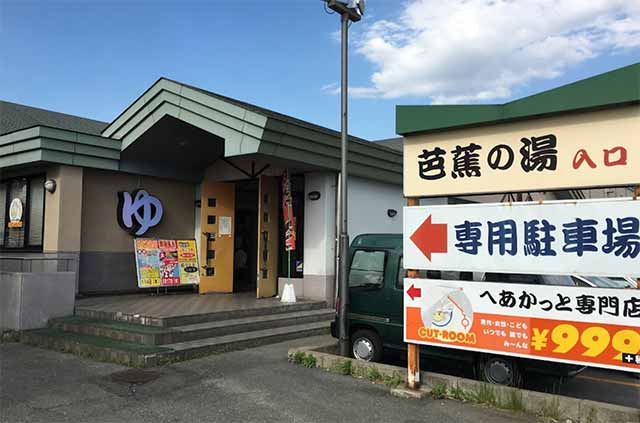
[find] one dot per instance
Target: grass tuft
(342, 367)
(439, 391)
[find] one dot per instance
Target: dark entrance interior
(246, 241)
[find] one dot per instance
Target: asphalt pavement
(244, 386)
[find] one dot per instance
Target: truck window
(367, 269)
(402, 273)
(513, 278)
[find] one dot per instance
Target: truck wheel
(366, 345)
(499, 370)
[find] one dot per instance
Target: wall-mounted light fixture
(392, 212)
(314, 195)
(50, 186)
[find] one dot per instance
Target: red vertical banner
(287, 213)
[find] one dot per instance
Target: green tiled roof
(14, 117)
(617, 87)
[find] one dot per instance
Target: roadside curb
(556, 407)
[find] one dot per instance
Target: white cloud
(479, 50)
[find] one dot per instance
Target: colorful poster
(188, 260)
(169, 269)
(166, 262)
(585, 326)
(147, 262)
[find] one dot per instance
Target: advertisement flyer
(147, 262)
(587, 326)
(187, 258)
(169, 269)
(166, 262)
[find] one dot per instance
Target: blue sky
(93, 58)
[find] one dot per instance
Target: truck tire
(499, 370)
(366, 345)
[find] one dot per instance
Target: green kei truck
(375, 312)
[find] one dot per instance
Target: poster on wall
(169, 270)
(188, 260)
(166, 262)
(147, 262)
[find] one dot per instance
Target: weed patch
(306, 360)
(342, 367)
(393, 380)
(439, 391)
(485, 394)
(373, 374)
(514, 401)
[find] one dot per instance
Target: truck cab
(375, 311)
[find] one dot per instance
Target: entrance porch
(144, 330)
(177, 309)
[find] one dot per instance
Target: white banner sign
(588, 326)
(590, 237)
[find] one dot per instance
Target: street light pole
(349, 10)
(344, 343)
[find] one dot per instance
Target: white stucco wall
(368, 202)
(320, 224)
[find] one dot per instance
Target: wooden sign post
(413, 350)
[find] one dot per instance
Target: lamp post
(349, 10)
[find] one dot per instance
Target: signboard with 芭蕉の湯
(593, 149)
(166, 262)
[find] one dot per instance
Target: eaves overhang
(60, 146)
(617, 88)
(247, 130)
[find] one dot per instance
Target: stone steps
(138, 355)
(142, 341)
(190, 319)
(152, 335)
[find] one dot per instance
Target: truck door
(366, 283)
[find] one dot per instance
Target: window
(367, 269)
(27, 232)
(3, 212)
(513, 278)
(401, 274)
(36, 211)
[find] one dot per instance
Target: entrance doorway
(246, 236)
(239, 236)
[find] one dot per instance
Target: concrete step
(190, 319)
(119, 331)
(95, 347)
(248, 324)
(219, 344)
(138, 355)
(151, 335)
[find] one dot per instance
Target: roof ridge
(262, 110)
(52, 111)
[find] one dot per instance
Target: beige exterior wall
(63, 210)
(592, 131)
(100, 229)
